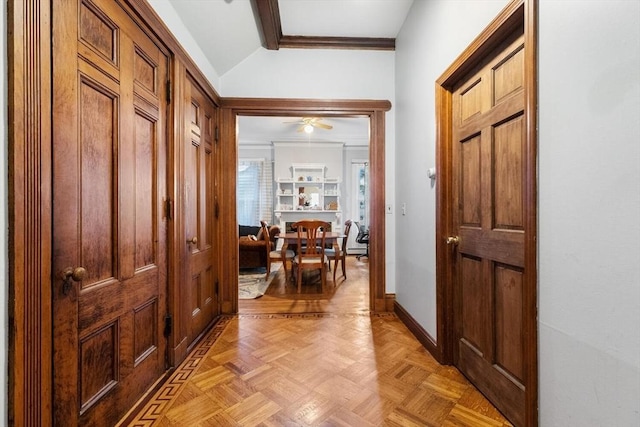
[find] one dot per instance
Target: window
(254, 192)
(360, 202)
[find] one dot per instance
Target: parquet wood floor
(309, 359)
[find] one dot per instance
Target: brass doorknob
(70, 274)
(76, 274)
(453, 240)
(193, 240)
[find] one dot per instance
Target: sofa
(255, 243)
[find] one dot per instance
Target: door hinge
(168, 209)
(217, 287)
(217, 210)
(168, 324)
(216, 136)
(168, 91)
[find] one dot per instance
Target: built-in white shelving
(308, 193)
(308, 189)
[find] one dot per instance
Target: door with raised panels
(199, 290)
(109, 232)
(488, 184)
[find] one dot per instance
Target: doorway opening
(232, 109)
(292, 168)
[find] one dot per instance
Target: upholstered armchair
(255, 244)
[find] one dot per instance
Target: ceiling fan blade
(322, 125)
(313, 121)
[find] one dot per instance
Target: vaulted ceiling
(228, 31)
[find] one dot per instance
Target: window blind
(254, 191)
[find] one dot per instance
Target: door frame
(518, 13)
(375, 110)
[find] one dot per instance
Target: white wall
(329, 154)
(432, 37)
(4, 261)
(170, 17)
(256, 152)
(589, 194)
(325, 74)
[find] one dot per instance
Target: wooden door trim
(30, 245)
(231, 108)
(518, 13)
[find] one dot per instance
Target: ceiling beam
(269, 17)
(371, 43)
(271, 27)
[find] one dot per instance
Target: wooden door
(488, 183)
(199, 144)
(109, 233)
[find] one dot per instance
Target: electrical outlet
(389, 209)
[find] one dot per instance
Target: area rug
(252, 283)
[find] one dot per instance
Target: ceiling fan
(307, 124)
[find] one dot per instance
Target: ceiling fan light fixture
(308, 128)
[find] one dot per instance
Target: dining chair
(363, 238)
(311, 256)
(274, 254)
(339, 252)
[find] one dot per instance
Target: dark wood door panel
(508, 173)
(488, 200)
(115, 298)
(497, 245)
(470, 178)
(494, 383)
(508, 76)
(509, 302)
(509, 107)
(145, 192)
(199, 211)
(99, 37)
(108, 184)
(96, 202)
(473, 302)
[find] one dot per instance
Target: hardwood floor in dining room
(308, 359)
